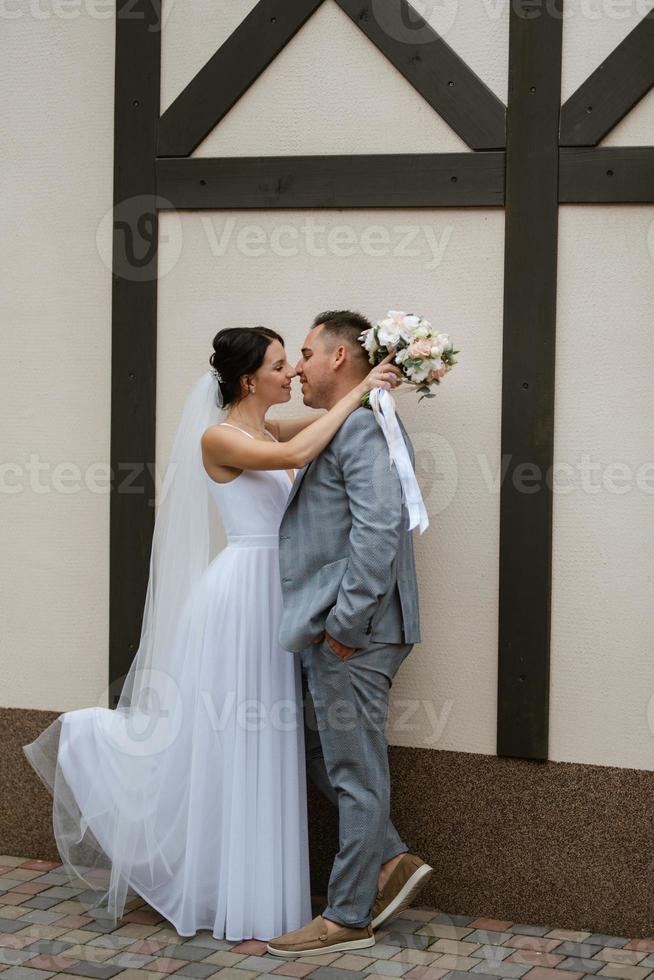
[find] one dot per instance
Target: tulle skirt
(198, 804)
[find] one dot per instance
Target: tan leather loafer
(313, 939)
(404, 883)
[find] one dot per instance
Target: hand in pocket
(338, 648)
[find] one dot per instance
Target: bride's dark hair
(238, 351)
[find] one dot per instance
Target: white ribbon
(383, 406)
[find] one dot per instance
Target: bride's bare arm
(224, 446)
(285, 429)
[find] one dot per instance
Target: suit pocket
(332, 573)
(330, 565)
(325, 649)
(327, 582)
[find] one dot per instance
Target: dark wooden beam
(436, 71)
(606, 175)
(611, 90)
(359, 181)
(133, 326)
(143, 185)
(528, 381)
(238, 62)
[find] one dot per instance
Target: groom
(351, 613)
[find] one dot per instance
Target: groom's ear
(340, 354)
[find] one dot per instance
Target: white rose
(421, 332)
(436, 351)
(408, 325)
(419, 373)
(444, 340)
(369, 341)
(402, 355)
(388, 333)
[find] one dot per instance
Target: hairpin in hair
(216, 374)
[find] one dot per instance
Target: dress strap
(246, 433)
(252, 437)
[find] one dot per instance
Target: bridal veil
(135, 801)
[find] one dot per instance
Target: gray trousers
(345, 713)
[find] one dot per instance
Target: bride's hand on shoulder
(383, 375)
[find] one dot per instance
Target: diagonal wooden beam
(426, 180)
(612, 90)
(606, 175)
(238, 62)
(530, 251)
(448, 84)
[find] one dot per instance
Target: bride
(192, 792)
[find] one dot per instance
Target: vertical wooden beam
(133, 325)
(531, 202)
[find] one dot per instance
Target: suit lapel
(303, 472)
(296, 483)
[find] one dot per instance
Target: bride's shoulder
(215, 435)
(211, 431)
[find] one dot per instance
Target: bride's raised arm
(224, 446)
(285, 429)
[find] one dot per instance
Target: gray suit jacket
(345, 552)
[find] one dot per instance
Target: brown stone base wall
(549, 843)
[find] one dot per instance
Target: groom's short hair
(344, 326)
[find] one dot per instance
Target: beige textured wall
(57, 150)
(331, 91)
(602, 658)
(458, 554)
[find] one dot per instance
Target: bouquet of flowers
(424, 355)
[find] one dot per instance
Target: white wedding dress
(212, 819)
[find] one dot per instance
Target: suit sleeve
(374, 497)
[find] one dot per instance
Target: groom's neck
(341, 390)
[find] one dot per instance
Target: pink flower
(420, 349)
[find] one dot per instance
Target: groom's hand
(339, 649)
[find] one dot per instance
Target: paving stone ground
(47, 931)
